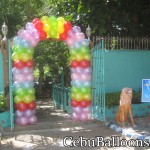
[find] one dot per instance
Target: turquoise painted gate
(98, 87)
(10, 87)
(1, 73)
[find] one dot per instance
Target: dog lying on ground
(125, 107)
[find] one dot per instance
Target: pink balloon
(72, 70)
(23, 121)
(17, 120)
(33, 119)
(79, 36)
(29, 77)
(19, 78)
(69, 41)
(74, 76)
(21, 32)
(86, 76)
(83, 117)
(75, 117)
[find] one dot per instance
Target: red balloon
(43, 35)
(63, 36)
(75, 63)
(38, 25)
(36, 20)
(19, 64)
(29, 63)
(84, 103)
(67, 26)
(85, 63)
(16, 106)
(22, 106)
(31, 105)
(74, 103)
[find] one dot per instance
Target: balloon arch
(80, 66)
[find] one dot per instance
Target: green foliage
(3, 102)
(112, 99)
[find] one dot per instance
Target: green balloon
(31, 91)
(74, 89)
(85, 90)
(84, 49)
(21, 92)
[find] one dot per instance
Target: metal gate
(98, 87)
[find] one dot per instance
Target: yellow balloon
(61, 20)
(87, 57)
(26, 57)
(87, 97)
(79, 57)
(15, 56)
(47, 28)
(45, 19)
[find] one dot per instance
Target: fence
(111, 43)
(61, 97)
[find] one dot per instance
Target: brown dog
(125, 107)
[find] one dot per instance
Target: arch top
(53, 28)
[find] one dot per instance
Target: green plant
(3, 102)
(112, 99)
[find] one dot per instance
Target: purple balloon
(29, 26)
(78, 70)
(77, 29)
(23, 121)
(27, 70)
(77, 110)
(19, 113)
(16, 71)
(88, 70)
(28, 113)
(86, 110)
(71, 33)
(32, 119)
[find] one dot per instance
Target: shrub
(3, 102)
(112, 99)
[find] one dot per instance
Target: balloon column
(22, 56)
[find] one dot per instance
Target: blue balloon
(17, 40)
(17, 85)
(87, 83)
(27, 84)
(77, 45)
(78, 83)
